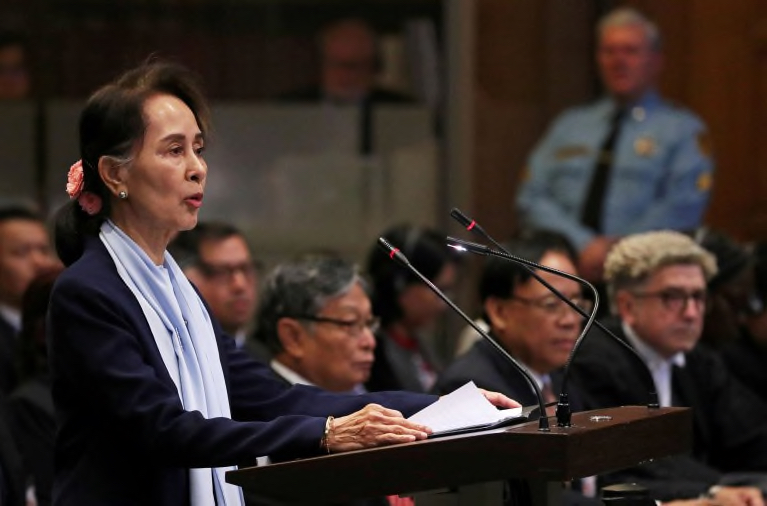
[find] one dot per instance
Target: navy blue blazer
(124, 437)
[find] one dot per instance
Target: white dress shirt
(660, 367)
(11, 315)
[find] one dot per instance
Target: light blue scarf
(184, 335)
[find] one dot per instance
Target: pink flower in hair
(90, 202)
(75, 180)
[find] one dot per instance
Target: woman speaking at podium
(154, 403)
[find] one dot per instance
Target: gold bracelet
(325, 441)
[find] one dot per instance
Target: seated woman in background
(729, 291)
(409, 311)
(746, 356)
(154, 402)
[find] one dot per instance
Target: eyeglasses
(552, 305)
(226, 272)
(676, 300)
(353, 327)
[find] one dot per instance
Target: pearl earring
(122, 195)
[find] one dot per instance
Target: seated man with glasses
(531, 323)
(656, 282)
(316, 318)
(217, 259)
(526, 319)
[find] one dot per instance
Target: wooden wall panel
(758, 126)
(533, 59)
(715, 65)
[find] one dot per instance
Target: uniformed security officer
(628, 163)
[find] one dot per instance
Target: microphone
(563, 407)
(396, 255)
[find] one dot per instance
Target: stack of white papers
(463, 409)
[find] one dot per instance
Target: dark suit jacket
(8, 346)
(393, 366)
(490, 370)
(124, 437)
(12, 473)
(33, 423)
(729, 421)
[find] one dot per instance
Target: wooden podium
(472, 465)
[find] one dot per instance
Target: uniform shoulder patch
(704, 182)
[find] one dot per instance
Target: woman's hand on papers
(724, 496)
(499, 400)
(373, 425)
(736, 496)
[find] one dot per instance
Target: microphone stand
(396, 255)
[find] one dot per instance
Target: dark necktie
(592, 209)
(677, 386)
(548, 397)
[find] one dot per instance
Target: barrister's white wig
(633, 259)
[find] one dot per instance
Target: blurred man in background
(216, 257)
(25, 252)
(350, 61)
(629, 163)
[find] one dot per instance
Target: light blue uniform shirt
(660, 179)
